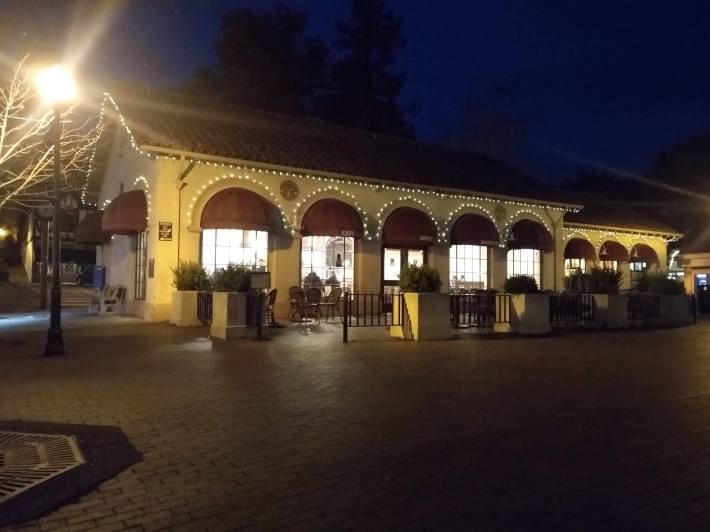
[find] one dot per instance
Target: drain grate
(27, 460)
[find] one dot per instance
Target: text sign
(165, 230)
(260, 280)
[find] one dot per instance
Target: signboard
(260, 280)
(424, 238)
(165, 231)
(347, 232)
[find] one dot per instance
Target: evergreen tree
(363, 86)
(266, 61)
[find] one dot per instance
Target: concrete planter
(674, 311)
(229, 315)
(183, 312)
(424, 317)
(530, 313)
(611, 311)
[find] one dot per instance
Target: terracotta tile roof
(598, 213)
(175, 120)
(697, 240)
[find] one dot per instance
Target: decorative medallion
(500, 213)
(289, 190)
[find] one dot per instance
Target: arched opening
(612, 254)
(329, 229)
(579, 256)
(471, 236)
(528, 242)
(235, 225)
(641, 258)
(406, 234)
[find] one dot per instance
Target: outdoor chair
(270, 301)
(107, 299)
(312, 303)
(295, 303)
(332, 303)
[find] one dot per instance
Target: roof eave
(664, 234)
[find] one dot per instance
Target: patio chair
(332, 303)
(270, 301)
(107, 299)
(295, 303)
(312, 303)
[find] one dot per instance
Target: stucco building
(177, 179)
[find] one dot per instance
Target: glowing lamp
(56, 85)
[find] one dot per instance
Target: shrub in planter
(596, 281)
(658, 283)
(420, 279)
(521, 284)
(190, 275)
(233, 278)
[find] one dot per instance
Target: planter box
(183, 312)
(530, 313)
(611, 311)
(424, 317)
(230, 319)
(674, 311)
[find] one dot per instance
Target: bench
(107, 299)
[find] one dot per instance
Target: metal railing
(571, 310)
(371, 309)
(472, 310)
(643, 307)
(204, 307)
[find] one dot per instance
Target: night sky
(606, 83)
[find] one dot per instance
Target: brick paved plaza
(588, 431)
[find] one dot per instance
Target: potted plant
(189, 278)
(529, 308)
(610, 307)
(673, 304)
(425, 312)
(229, 302)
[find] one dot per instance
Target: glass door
(393, 258)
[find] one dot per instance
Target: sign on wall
(165, 230)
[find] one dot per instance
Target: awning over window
(331, 217)
(127, 214)
(527, 234)
(89, 230)
(236, 208)
(643, 253)
(475, 230)
(407, 226)
(611, 250)
(579, 248)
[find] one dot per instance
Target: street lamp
(57, 88)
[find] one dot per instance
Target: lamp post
(56, 87)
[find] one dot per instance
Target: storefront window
(572, 266)
(141, 254)
(638, 270)
(524, 262)
(468, 266)
(609, 265)
(329, 257)
(238, 246)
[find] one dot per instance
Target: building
(179, 178)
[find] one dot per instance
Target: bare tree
(26, 155)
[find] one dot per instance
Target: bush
(597, 281)
(521, 284)
(658, 283)
(189, 275)
(420, 279)
(233, 278)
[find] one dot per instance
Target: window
(468, 266)
(609, 265)
(141, 254)
(329, 257)
(638, 270)
(574, 265)
(525, 262)
(238, 246)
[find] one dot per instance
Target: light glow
(56, 85)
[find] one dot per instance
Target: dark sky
(609, 83)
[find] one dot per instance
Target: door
(393, 259)
(702, 292)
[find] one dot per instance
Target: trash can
(99, 276)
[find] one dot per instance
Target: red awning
(236, 208)
(474, 229)
(527, 234)
(89, 229)
(643, 253)
(611, 250)
(126, 215)
(331, 217)
(579, 248)
(407, 226)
